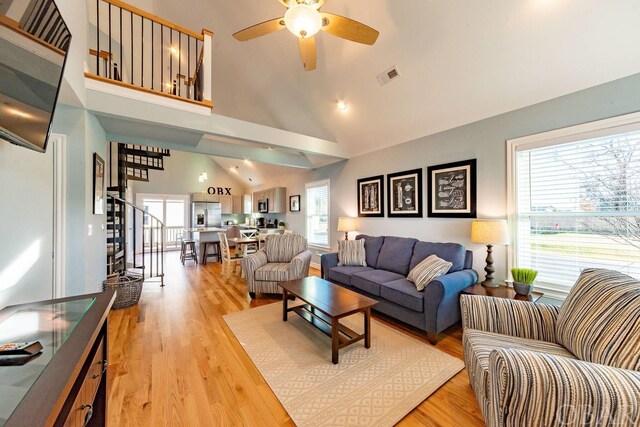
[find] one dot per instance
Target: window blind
(578, 206)
(318, 213)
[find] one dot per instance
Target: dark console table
(66, 384)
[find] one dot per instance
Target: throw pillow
(428, 269)
(351, 252)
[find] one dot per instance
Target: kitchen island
(204, 235)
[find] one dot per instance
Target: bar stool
(216, 251)
(188, 251)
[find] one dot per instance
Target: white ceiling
(252, 173)
(460, 61)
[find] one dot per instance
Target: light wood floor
(173, 361)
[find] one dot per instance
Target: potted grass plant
(523, 279)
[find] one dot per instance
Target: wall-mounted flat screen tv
(34, 42)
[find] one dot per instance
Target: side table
(501, 292)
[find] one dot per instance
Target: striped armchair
(539, 365)
(282, 257)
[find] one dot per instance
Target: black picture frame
(294, 203)
(461, 200)
(371, 196)
(98, 185)
(404, 198)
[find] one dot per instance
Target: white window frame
(307, 186)
(615, 125)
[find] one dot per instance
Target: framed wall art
(371, 196)
(405, 194)
(98, 184)
(294, 203)
(452, 190)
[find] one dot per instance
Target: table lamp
(346, 224)
(490, 232)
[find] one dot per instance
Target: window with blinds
(318, 213)
(577, 205)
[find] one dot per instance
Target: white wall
(484, 141)
(180, 176)
(26, 217)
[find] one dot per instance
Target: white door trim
(59, 148)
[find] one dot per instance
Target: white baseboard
(315, 265)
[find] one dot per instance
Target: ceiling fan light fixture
(303, 21)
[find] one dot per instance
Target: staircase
(133, 163)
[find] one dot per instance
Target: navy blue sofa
(389, 260)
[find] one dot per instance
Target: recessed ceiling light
(342, 106)
(250, 180)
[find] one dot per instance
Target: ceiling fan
(304, 19)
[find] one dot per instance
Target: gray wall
(26, 218)
(86, 255)
(483, 140)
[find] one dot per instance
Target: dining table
(242, 242)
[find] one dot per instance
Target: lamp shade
(490, 231)
(303, 20)
(346, 224)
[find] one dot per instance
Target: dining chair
(253, 247)
(262, 237)
(227, 257)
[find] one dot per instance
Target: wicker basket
(128, 289)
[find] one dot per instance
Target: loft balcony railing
(135, 49)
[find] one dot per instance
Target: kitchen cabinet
(226, 204)
(256, 196)
(277, 199)
(204, 197)
(237, 205)
(277, 203)
(248, 206)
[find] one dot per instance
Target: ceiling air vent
(388, 75)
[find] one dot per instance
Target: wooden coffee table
(326, 304)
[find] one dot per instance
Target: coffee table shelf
(323, 323)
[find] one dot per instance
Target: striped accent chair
(282, 257)
(539, 365)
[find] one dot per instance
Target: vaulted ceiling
(459, 60)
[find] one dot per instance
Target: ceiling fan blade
(308, 53)
(348, 29)
(260, 29)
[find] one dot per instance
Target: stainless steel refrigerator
(205, 215)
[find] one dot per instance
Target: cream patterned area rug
(374, 387)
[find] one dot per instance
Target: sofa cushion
(351, 252)
(283, 247)
(372, 246)
(395, 254)
(404, 293)
(273, 272)
(600, 319)
(478, 345)
(370, 281)
(343, 273)
(452, 252)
